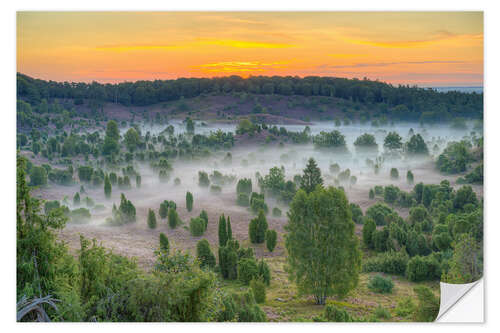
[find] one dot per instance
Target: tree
(151, 219)
(323, 255)
(38, 176)
(111, 138)
(394, 173)
(173, 218)
(164, 244)
(466, 265)
(189, 201)
(393, 141)
(311, 176)
(416, 146)
(163, 211)
(197, 226)
(409, 177)
(204, 254)
(107, 187)
(428, 304)
(131, 139)
(229, 232)
(257, 228)
(189, 125)
(271, 237)
(369, 227)
(76, 199)
(222, 231)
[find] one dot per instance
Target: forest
(247, 200)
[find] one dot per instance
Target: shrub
(259, 290)
(257, 203)
(50, 205)
(357, 213)
(205, 254)
(80, 215)
(189, 201)
(243, 199)
(177, 181)
(173, 218)
(264, 272)
(391, 262)
(369, 227)
(76, 199)
(380, 284)
(391, 193)
(371, 194)
(271, 237)
(378, 212)
(405, 307)
(257, 228)
(394, 173)
(409, 177)
(244, 186)
(247, 309)
(247, 270)
(203, 179)
(197, 226)
(151, 219)
(423, 268)
(163, 211)
(276, 212)
(164, 244)
(335, 314)
(428, 304)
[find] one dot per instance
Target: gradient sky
(423, 48)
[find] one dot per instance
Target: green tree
(229, 232)
(111, 138)
(393, 141)
(204, 254)
(107, 187)
(416, 146)
(164, 244)
(76, 199)
(409, 177)
(466, 265)
(173, 218)
(311, 176)
(428, 304)
(271, 238)
(189, 201)
(257, 228)
(222, 231)
(38, 176)
(151, 219)
(323, 255)
(163, 211)
(132, 139)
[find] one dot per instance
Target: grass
(283, 303)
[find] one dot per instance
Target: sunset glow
(423, 48)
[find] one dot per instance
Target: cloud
(241, 66)
(193, 44)
(385, 64)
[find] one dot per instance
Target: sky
(416, 48)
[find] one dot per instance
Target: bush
(369, 227)
(151, 219)
(247, 270)
(243, 199)
(177, 181)
(271, 237)
(80, 215)
(405, 307)
(203, 179)
(391, 193)
(257, 228)
(50, 205)
(244, 186)
(335, 314)
(428, 304)
(259, 290)
(389, 262)
(163, 211)
(197, 226)
(247, 309)
(371, 194)
(173, 218)
(409, 177)
(164, 244)
(257, 203)
(189, 201)
(38, 176)
(423, 268)
(264, 272)
(228, 260)
(76, 199)
(276, 212)
(205, 254)
(378, 212)
(380, 284)
(394, 173)
(357, 213)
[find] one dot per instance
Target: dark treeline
(401, 102)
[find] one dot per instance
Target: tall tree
(311, 177)
(222, 231)
(323, 254)
(229, 230)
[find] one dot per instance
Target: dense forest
(398, 103)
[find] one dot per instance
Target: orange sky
(424, 48)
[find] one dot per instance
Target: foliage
(391, 262)
(380, 284)
(247, 270)
(378, 212)
(259, 290)
(271, 238)
(205, 254)
(323, 255)
(173, 218)
(257, 228)
(151, 219)
(164, 243)
(189, 201)
(311, 177)
(197, 226)
(455, 158)
(416, 146)
(428, 304)
(423, 268)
